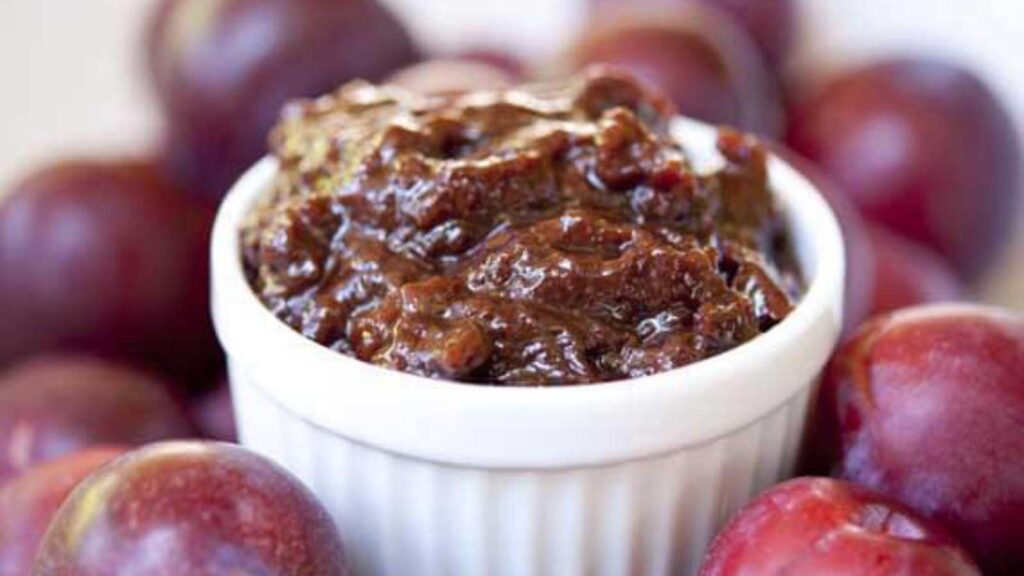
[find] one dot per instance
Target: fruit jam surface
(543, 235)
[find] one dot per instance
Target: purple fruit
(107, 258)
(56, 406)
(29, 501)
(223, 69)
(708, 67)
(924, 148)
(193, 508)
(925, 406)
(824, 527)
(772, 24)
(909, 275)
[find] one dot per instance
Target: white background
(71, 79)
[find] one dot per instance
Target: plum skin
(106, 257)
(28, 502)
(907, 274)
(215, 508)
(885, 272)
(54, 406)
(771, 24)
(223, 70)
(698, 58)
(817, 526)
(925, 405)
(924, 148)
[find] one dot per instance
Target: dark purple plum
(819, 526)
(772, 24)
(28, 502)
(222, 71)
(707, 66)
(907, 274)
(923, 147)
(106, 257)
(885, 272)
(925, 405)
(55, 406)
(202, 509)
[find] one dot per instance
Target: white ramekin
(627, 478)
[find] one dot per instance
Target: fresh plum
(108, 258)
(202, 509)
(816, 526)
(923, 147)
(706, 65)
(926, 405)
(885, 271)
(55, 406)
(28, 502)
(223, 69)
(907, 274)
(772, 24)
(214, 414)
(451, 76)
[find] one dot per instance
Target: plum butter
(542, 235)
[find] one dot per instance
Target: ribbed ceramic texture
(406, 517)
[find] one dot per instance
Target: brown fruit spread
(546, 235)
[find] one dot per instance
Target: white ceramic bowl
(627, 478)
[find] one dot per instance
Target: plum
(196, 508)
(214, 414)
(106, 257)
(223, 69)
(922, 147)
(29, 501)
(772, 24)
(885, 271)
(707, 66)
(907, 274)
(925, 405)
(816, 526)
(450, 76)
(51, 407)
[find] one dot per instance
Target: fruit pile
(108, 364)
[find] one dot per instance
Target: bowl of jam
(550, 326)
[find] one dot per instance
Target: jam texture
(543, 235)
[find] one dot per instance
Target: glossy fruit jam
(542, 235)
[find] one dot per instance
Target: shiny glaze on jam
(542, 235)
